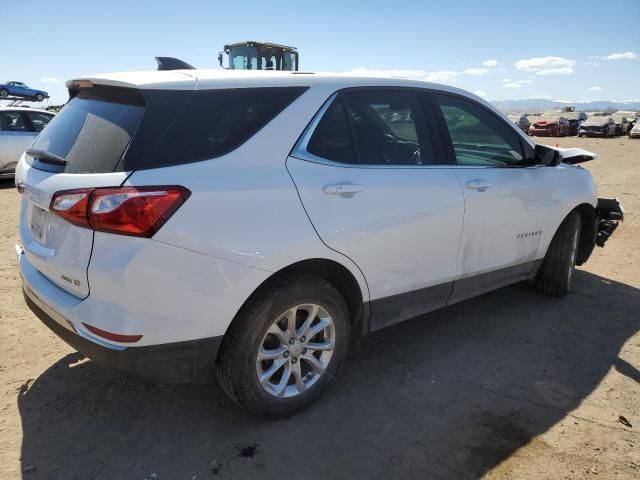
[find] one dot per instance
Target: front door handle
(346, 189)
(479, 185)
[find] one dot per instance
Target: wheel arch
(588, 232)
(338, 275)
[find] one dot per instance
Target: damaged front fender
(610, 213)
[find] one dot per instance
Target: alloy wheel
(296, 351)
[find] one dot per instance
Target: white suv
(180, 223)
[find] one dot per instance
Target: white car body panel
(246, 219)
(402, 229)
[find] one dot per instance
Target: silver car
(19, 126)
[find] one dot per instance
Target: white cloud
(50, 80)
(490, 63)
(413, 74)
(590, 63)
(480, 93)
(443, 76)
(515, 83)
(623, 56)
(476, 71)
(546, 65)
(594, 89)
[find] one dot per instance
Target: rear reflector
(115, 337)
(136, 211)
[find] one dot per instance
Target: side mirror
(547, 157)
(220, 58)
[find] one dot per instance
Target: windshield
(243, 58)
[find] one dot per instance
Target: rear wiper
(46, 157)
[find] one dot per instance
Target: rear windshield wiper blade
(46, 157)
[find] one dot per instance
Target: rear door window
(39, 120)
(13, 122)
(388, 127)
(331, 138)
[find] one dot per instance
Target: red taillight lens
(72, 205)
(137, 211)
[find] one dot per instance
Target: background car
(635, 131)
(550, 126)
(19, 89)
(598, 127)
(521, 121)
(575, 119)
(623, 124)
(19, 126)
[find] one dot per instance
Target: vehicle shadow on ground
(447, 395)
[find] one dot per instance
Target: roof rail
(171, 63)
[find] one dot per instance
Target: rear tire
(251, 336)
(556, 273)
(4, 93)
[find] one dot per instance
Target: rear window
(92, 131)
(114, 129)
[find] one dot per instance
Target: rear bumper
(181, 362)
(540, 132)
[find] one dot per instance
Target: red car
(550, 127)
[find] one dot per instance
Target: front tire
(39, 97)
(556, 273)
(285, 346)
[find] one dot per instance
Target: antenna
(171, 63)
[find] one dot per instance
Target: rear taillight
(137, 211)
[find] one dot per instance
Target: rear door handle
(479, 185)
(345, 189)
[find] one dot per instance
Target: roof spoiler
(171, 63)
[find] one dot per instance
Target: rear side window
(39, 120)
(215, 122)
(13, 122)
(331, 138)
(93, 130)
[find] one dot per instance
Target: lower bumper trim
(180, 362)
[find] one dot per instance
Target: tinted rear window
(113, 129)
(215, 122)
(93, 130)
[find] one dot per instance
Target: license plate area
(38, 224)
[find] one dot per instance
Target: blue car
(19, 89)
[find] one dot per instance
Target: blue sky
(568, 50)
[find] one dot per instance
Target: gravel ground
(508, 385)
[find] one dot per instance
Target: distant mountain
(534, 105)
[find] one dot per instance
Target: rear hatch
(90, 143)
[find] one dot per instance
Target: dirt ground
(508, 385)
